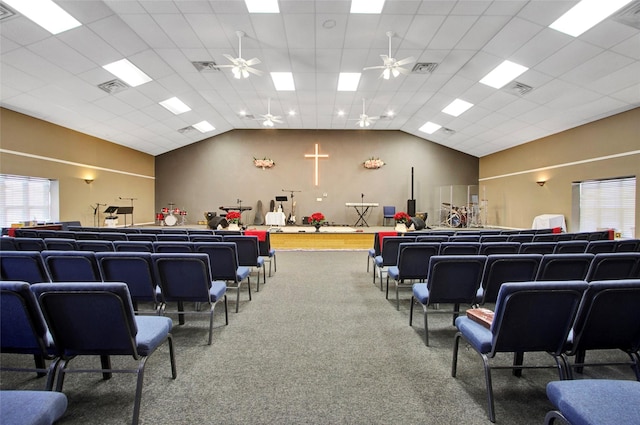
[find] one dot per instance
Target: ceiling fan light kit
(392, 67)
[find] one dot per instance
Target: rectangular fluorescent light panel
(367, 6)
(430, 127)
(204, 127)
(502, 74)
(175, 105)
(262, 6)
(457, 107)
(45, 13)
(348, 81)
(127, 72)
(585, 15)
(283, 81)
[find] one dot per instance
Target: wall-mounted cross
(316, 156)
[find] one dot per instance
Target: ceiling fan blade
(277, 119)
(405, 61)
(253, 61)
(403, 70)
(231, 59)
(254, 71)
(373, 67)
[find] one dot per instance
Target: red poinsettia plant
(401, 217)
(316, 218)
(233, 217)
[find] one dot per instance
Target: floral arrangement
(401, 217)
(263, 163)
(233, 217)
(373, 163)
(316, 218)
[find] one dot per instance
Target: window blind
(608, 204)
(24, 199)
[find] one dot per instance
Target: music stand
(124, 211)
(110, 211)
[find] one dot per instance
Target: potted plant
(233, 218)
(401, 218)
(317, 219)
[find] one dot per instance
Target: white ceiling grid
(574, 80)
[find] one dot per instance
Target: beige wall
(219, 171)
(32, 147)
(607, 148)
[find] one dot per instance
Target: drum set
(452, 216)
(169, 216)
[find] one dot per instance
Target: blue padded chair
(628, 245)
(146, 237)
(614, 265)
(24, 407)
(494, 238)
(7, 244)
(608, 318)
(176, 237)
(113, 236)
(600, 246)
(133, 246)
(249, 254)
(520, 237)
(459, 248)
(88, 235)
(388, 211)
(388, 255)
(186, 277)
(71, 266)
(546, 237)
(377, 247)
(98, 320)
(452, 279)
(24, 331)
(464, 238)
(204, 232)
(26, 266)
(95, 246)
(594, 402)
(489, 248)
(29, 244)
(136, 270)
(223, 259)
(501, 268)
(432, 238)
(60, 244)
(529, 317)
(537, 247)
(564, 267)
(571, 247)
(267, 252)
(412, 265)
(205, 238)
(173, 246)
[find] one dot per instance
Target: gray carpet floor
(319, 344)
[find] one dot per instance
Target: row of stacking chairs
(563, 318)
(58, 322)
(476, 279)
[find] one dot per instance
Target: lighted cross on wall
(316, 156)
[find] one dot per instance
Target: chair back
(133, 268)
(183, 276)
(571, 247)
(95, 246)
(29, 244)
(598, 246)
(388, 211)
(432, 238)
(22, 326)
(7, 244)
(133, 246)
(413, 259)
(89, 318)
(459, 248)
(389, 249)
(223, 259)
(247, 248)
(26, 266)
(537, 247)
(628, 245)
(520, 237)
(61, 244)
(464, 238)
(71, 266)
(454, 278)
(564, 267)
(178, 237)
(113, 236)
(546, 237)
(489, 248)
(494, 238)
(89, 235)
(535, 316)
(146, 237)
(205, 238)
(608, 317)
(614, 266)
(172, 246)
(501, 268)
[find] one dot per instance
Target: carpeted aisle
(319, 344)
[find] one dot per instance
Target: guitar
(292, 216)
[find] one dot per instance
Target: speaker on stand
(411, 203)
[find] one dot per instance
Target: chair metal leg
(518, 360)
(487, 376)
(172, 357)
(413, 299)
(238, 297)
(211, 310)
(105, 362)
(550, 418)
(426, 326)
(386, 296)
(226, 311)
(138, 397)
(454, 360)
(397, 298)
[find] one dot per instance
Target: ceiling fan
(391, 66)
(270, 120)
(365, 120)
(241, 67)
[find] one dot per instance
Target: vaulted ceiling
(570, 81)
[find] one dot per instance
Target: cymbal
(447, 204)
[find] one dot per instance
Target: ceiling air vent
(6, 12)
(629, 15)
(424, 67)
(248, 116)
(206, 66)
(188, 129)
(448, 131)
(114, 86)
(518, 88)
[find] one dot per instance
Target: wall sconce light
(541, 183)
(88, 181)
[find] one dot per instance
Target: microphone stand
(125, 216)
(239, 202)
(96, 211)
(291, 215)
